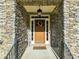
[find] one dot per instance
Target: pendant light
(39, 11)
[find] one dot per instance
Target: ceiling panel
(45, 9)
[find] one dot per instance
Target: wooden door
(39, 31)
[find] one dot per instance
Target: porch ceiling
(39, 2)
(45, 9)
(47, 6)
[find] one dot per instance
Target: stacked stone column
(70, 27)
(2, 13)
(77, 20)
(7, 29)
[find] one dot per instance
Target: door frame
(46, 19)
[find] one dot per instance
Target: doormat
(39, 47)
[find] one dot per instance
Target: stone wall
(21, 30)
(71, 27)
(7, 28)
(67, 53)
(77, 27)
(57, 31)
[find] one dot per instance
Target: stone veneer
(67, 53)
(71, 26)
(7, 28)
(77, 20)
(57, 37)
(21, 35)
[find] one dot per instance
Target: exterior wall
(7, 28)
(71, 27)
(67, 53)
(77, 27)
(57, 31)
(21, 35)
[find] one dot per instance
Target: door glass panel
(39, 25)
(47, 29)
(32, 30)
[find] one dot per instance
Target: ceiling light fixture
(39, 11)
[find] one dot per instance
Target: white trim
(46, 19)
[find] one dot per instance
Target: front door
(39, 31)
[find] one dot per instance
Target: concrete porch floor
(47, 53)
